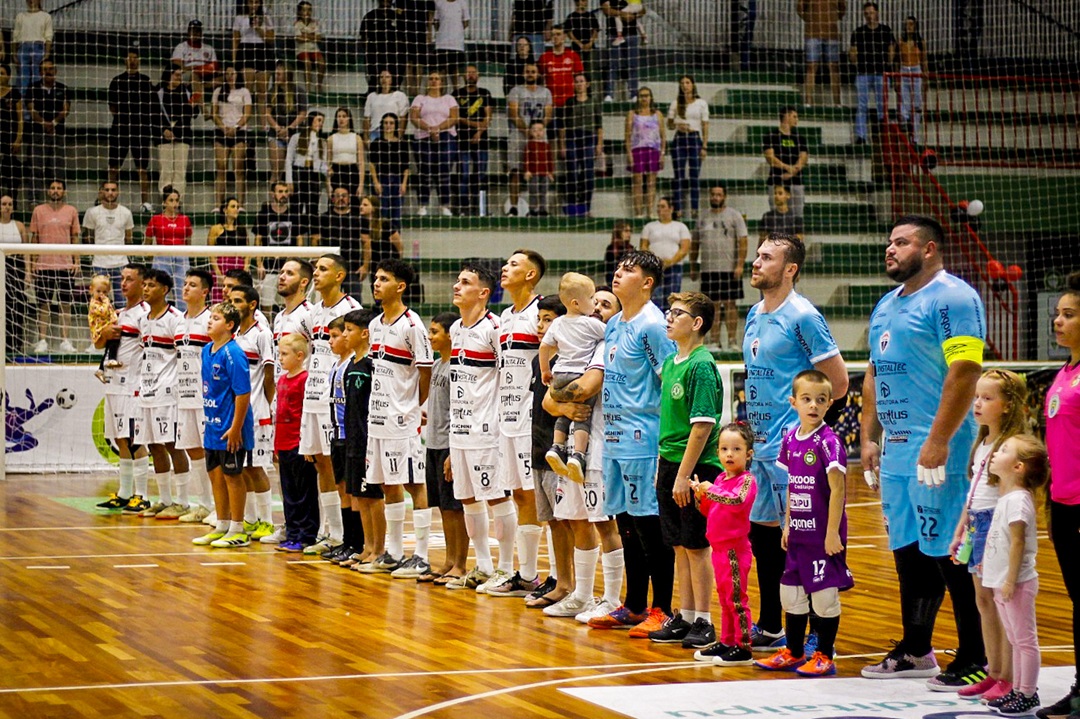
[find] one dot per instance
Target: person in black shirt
(383, 49)
(342, 226)
(385, 244)
(474, 119)
(362, 496)
(277, 224)
(514, 73)
(624, 47)
(388, 159)
(131, 98)
(532, 19)
(873, 52)
(173, 139)
(11, 136)
(413, 39)
(787, 154)
(48, 103)
(583, 30)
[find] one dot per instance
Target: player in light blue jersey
(926, 347)
(784, 335)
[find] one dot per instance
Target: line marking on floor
(223, 564)
(135, 566)
(48, 566)
(194, 553)
(99, 527)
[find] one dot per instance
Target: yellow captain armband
(963, 348)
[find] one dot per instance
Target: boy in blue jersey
(784, 335)
(926, 346)
(229, 433)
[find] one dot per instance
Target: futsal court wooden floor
(110, 616)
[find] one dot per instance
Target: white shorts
(395, 461)
(581, 501)
(189, 428)
(155, 425)
(118, 409)
(476, 474)
(517, 461)
(263, 454)
(316, 433)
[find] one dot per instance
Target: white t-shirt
(311, 28)
(248, 35)
(110, 228)
(399, 351)
(343, 147)
(32, 27)
(378, 104)
(1015, 506)
(191, 337)
(231, 108)
(697, 113)
(718, 232)
(981, 493)
(194, 57)
(664, 238)
(157, 381)
(474, 384)
(577, 337)
(451, 18)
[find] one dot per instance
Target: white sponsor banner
(49, 419)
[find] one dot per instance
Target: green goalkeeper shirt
(691, 392)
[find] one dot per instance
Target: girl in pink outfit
(726, 502)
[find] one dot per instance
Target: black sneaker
(763, 641)
(512, 212)
(545, 587)
(702, 634)
(1068, 704)
(735, 657)
(113, 502)
(996, 704)
(959, 674)
(1020, 705)
(708, 654)
(339, 554)
(556, 459)
(673, 632)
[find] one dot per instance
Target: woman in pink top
(171, 228)
(435, 117)
(1062, 434)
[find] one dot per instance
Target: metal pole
(3, 356)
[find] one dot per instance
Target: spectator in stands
(786, 154)
(782, 218)
(646, 145)
(435, 117)
(620, 245)
(688, 116)
(48, 104)
(515, 66)
(11, 135)
(170, 228)
(386, 98)
(474, 119)
(284, 113)
(231, 110)
(668, 239)
(131, 103)
(13, 231)
(305, 164)
(199, 62)
(872, 52)
(385, 243)
(414, 36)
(624, 46)
(31, 42)
(253, 47)
(821, 38)
(581, 140)
(229, 232)
(381, 45)
(109, 223)
(53, 276)
(389, 162)
(178, 109)
(340, 226)
(583, 30)
(532, 19)
(718, 257)
(525, 105)
(307, 38)
(743, 20)
(451, 22)
(912, 57)
(345, 155)
(277, 224)
(558, 67)
(539, 169)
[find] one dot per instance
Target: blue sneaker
(811, 644)
(763, 641)
(292, 546)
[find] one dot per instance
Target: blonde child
(726, 504)
(299, 482)
(1000, 410)
(1022, 468)
(308, 54)
(574, 337)
(101, 315)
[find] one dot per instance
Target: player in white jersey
(120, 385)
(474, 428)
(401, 360)
(292, 284)
(155, 421)
(237, 277)
(191, 336)
(316, 430)
(258, 346)
(518, 345)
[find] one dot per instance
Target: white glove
(931, 476)
(871, 479)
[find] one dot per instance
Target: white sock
(421, 519)
(505, 518)
(180, 488)
(235, 527)
(395, 529)
(164, 486)
(250, 515)
(140, 472)
(223, 525)
(264, 506)
(585, 572)
(552, 570)
(476, 525)
(707, 616)
(202, 482)
(528, 538)
(688, 614)
(331, 508)
(127, 479)
(613, 564)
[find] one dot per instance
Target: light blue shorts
(630, 486)
(772, 482)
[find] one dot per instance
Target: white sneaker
(147, 207)
(568, 606)
(422, 212)
(600, 607)
(446, 211)
(41, 347)
(608, 98)
(276, 538)
(499, 577)
(67, 347)
(90, 349)
(197, 513)
(210, 519)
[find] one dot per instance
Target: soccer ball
(66, 399)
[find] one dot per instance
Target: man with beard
(784, 335)
(719, 245)
(926, 347)
(293, 283)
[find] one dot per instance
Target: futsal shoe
(898, 664)
(708, 654)
(818, 666)
(545, 587)
(763, 641)
(262, 529)
(136, 505)
(653, 622)
(514, 587)
(196, 513)
(497, 577)
(1019, 705)
(976, 690)
(675, 629)
(959, 674)
(114, 502)
(702, 634)
(620, 618)
(411, 568)
(598, 608)
(232, 541)
(173, 511)
(735, 657)
(569, 606)
(782, 661)
(206, 539)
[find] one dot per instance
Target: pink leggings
(1018, 618)
(731, 563)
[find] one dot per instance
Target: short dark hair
(58, 181)
(336, 259)
(445, 319)
(786, 110)
(205, 277)
(138, 267)
(928, 229)
(794, 249)
(306, 270)
(551, 303)
(401, 270)
(814, 376)
(243, 276)
(250, 293)
(483, 273)
(699, 305)
(360, 318)
(162, 277)
(534, 257)
(718, 183)
(1072, 284)
(869, 4)
(650, 264)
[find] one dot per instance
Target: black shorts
(135, 140)
(338, 460)
(231, 463)
(452, 61)
(440, 492)
(680, 526)
(230, 142)
(258, 57)
(356, 484)
(415, 48)
(721, 286)
(54, 283)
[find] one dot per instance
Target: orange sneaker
(653, 622)
(782, 661)
(818, 666)
(621, 618)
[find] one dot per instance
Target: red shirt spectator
(538, 159)
(558, 67)
(165, 230)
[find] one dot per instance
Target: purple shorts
(646, 159)
(809, 567)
